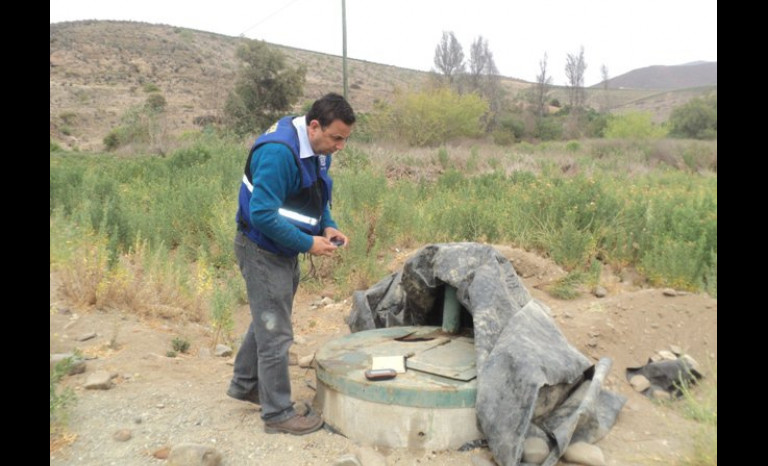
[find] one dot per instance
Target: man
(284, 210)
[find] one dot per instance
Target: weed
(180, 344)
(124, 231)
(568, 286)
(222, 302)
(700, 405)
(573, 146)
(442, 158)
(61, 398)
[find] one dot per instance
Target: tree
(543, 83)
(604, 75)
(696, 119)
(484, 77)
(265, 88)
(449, 56)
(481, 63)
(574, 73)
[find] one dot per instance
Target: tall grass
(155, 234)
(700, 404)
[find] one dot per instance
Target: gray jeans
(262, 360)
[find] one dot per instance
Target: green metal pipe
(451, 310)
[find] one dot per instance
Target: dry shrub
(84, 271)
(154, 286)
(664, 152)
(150, 286)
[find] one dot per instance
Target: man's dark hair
(331, 107)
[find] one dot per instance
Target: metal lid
(440, 367)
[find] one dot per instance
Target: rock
(326, 301)
(639, 382)
(478, 460)
(222, 351)
(535, 450)
(190, 454)
(669, 292)
(306, 361)
(661, 395)
(584, 453)
(99, 380)
(600, 292)
(692, 363)
(122, 435)
(667, 355)
(86, 336)
(77, 364)
(370, 457)
(293, 358)
(676, 349)
(162, 453)
(299, 340)
(347, 460)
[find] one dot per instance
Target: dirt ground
(160, 402)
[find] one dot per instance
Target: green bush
(138, 125)
(634, 125)
(549, 129)
(572, 146)
(61, 398)
(155, 102)
(571, 245)
(180, 344)
(511, 129)
(113, 139)
(363, 131)
(352, 158)
(55, 147)
(697, 119)
(188, 157)
(431, 118)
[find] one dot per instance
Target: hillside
(100, 70)
(697, 74)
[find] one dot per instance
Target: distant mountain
(694, 74)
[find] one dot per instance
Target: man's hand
(322, 245)
(337, 238)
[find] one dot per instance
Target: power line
(269, 16)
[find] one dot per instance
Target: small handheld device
(380, 374)
(337, 242)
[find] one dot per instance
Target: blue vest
(303, 209)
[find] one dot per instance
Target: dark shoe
(252, 397)
(299, 424)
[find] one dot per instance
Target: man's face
(331, 139)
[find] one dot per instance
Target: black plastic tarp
(530, 380)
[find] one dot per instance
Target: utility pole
(344, 39)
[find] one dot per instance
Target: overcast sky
(622, 35)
